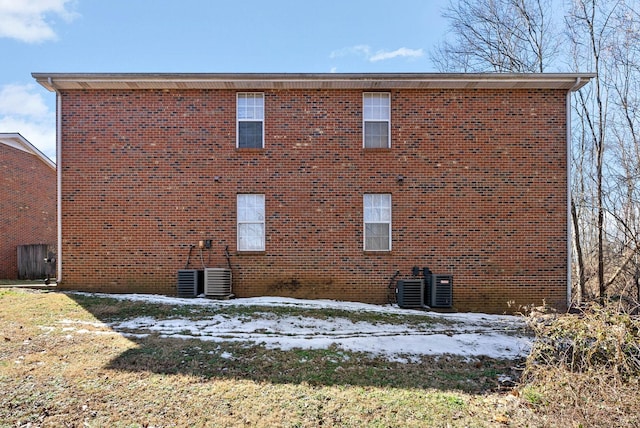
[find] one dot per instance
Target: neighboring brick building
(27, 200)
(321, 185)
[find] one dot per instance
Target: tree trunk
(580, 260)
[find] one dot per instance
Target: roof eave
(265, 81)
(17, 141)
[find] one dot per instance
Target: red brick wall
(27, 205)
(483, 196)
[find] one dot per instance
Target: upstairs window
(377, 222)
(251, 229)
(377, 120)
(250, 123)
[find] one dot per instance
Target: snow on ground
(464, 334)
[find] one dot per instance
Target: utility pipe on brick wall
(569, 222)
(58, 182)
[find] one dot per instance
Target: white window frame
(249, 113)
(376, 209)
(245, 204)
(373, 111)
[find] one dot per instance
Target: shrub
(595, 339)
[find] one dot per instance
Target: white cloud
(24, 110)
(358, 50)
(22, 100)
(26, 20)
(380, 55)
(402, 52)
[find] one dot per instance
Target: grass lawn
(54, 372)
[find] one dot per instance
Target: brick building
(27, 200)
(319, 185)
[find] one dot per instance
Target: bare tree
(625, 118)
(586, 37)
(498, 35)
(604, 36)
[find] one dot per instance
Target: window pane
(376, 134)
(250, 106)
(250, 135)
(376, 237)
(377, 106)
(251, 236)
(377, 208)
(251, 208)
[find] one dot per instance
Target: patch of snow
(464, 334)
(87, 323)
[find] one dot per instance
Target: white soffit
(17, 141)
(256, 81)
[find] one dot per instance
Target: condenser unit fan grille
(187, 283)
(409, 293)
(217, 282)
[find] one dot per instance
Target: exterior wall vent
(410, 293)
(188, 283)
(441, 291)
(217, 283)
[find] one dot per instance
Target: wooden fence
(36, 261)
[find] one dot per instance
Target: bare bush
(597, 339)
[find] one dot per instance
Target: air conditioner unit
(217, 283)
(188, 283)
(441, 291)
(409, 293)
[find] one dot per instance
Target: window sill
(250, 149)
(377, 253)
(376, 149)
(250, 253)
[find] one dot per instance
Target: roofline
(252, 81)
(21, 143)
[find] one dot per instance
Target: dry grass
(594, 399)
(584, 369)
(54, 377)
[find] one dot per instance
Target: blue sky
(200, 36)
